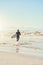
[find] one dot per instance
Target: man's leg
(17, 38)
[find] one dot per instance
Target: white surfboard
(13, 36)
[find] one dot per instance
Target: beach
(10, 58)
(21, 32)
(28, 52)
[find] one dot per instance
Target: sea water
(28, 45)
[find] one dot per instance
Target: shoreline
(29, 50)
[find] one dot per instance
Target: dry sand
(10, 58)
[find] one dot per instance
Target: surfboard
(13, 36)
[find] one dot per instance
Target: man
(18, 35)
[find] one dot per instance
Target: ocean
(29, 44)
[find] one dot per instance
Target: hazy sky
(21, 13)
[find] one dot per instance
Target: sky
(21, 14)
